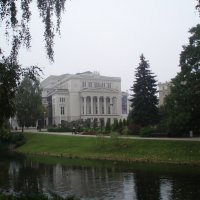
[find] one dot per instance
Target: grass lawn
(159, 151)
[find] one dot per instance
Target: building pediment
(99, 90)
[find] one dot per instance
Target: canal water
(89, 180)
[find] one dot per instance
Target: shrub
(125, 131)
(147, 131)
(4, 134)
(108, 126)
(7, 138)
(18, 139)
(59, 129)
(134, 129)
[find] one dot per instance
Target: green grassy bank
(159, 151)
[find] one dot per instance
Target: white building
(84, 95)
(164, 90)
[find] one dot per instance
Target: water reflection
(97, 183)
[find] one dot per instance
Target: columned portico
(99, 107)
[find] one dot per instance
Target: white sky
(108, 36)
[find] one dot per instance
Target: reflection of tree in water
(26, 177)
(103, 183)
(186, 188)
(147, 186)
(9, 168)
(4, 181)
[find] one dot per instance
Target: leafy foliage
(144, 100)
(108, 126)
(10, 77)
(182, 106)
(95, 123)
(28, 102)
(17, 15)
(115, 125)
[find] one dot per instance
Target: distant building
(84, 96)
(164, 90)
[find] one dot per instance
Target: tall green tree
(144, 100)
(10, 77)
(28, 102)
(182, 107)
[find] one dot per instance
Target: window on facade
(62, 110)
(96, 84)
(109, 110)
(62, 99)
(96, 110)
(90, 84)
(109, 85)
(102, 109)
(84, 84)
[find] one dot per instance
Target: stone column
(116, 106)
(104, 104)
(84, 102)
(111, 105)
(92, 112)
(98, 111)
(81, 105)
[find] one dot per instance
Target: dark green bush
(147, 131)
(150, 131)
(4, 134)
(61, 129)
(17, 138)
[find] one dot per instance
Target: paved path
(44, 131)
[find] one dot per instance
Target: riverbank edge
(129, 161)
(108, 157)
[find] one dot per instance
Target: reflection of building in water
(129, 186)
(13, 171)
(100, 183)
(13, 168)
(90, 182)
(165, 189)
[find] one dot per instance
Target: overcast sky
(108, 36)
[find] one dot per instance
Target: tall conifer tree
(144, 100)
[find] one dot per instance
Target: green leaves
(18, 22)
(182, 105)
(28, 102)
(10, 78)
